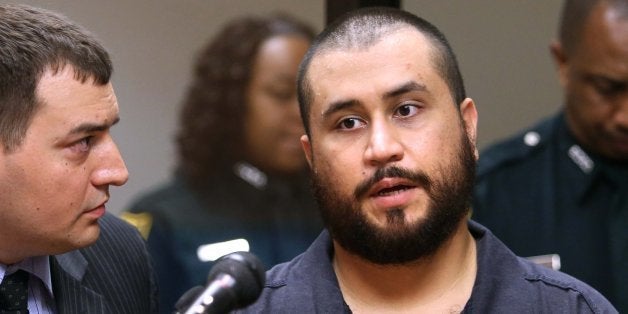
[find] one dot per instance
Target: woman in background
(241, 172)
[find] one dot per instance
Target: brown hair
(210, 137)
(33, 40)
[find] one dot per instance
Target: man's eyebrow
(92, 127)
(345, 104)
(404, 88)
(338, 106)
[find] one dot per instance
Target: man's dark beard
(399, 242)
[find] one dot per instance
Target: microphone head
(188, 298)
(248, 272)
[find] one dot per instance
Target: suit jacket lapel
(71, 293)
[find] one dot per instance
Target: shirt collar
(589, 168)
(38, 266)
(576, 163)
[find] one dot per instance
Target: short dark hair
(210, 136)
(361, 28)
(573, 19)
(33, 40)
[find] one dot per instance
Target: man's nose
(111, 169)
(384, 145)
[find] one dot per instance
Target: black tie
(14, 293)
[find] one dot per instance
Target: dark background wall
(502, 47)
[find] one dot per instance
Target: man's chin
(86, 238)
(394, 222)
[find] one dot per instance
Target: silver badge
(581, 158)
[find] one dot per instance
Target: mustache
(418, 177)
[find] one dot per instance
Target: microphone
(188, 298)
(235, 281)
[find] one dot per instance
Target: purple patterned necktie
(14, 293)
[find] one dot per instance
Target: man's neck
(441, 283)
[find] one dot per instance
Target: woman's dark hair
(210, 137)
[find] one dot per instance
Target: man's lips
(392, 193)
(390, 186)
(99, 210)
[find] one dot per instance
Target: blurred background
(502, 47)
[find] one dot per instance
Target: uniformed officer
(561, 186)
(240, 183)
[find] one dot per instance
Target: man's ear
(469, 115)
(307, 148)
(560, 59)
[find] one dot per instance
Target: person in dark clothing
(561, 187)
(390, 139)
(241, 181)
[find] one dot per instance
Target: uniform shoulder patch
(142, 221)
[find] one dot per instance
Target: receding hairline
(360, 38)
(340, 46)
(363, 28)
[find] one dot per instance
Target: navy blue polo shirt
(504, 283)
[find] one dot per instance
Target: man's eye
(350, 123)
(82, 145)
(406, 110)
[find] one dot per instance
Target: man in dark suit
(60, 252)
